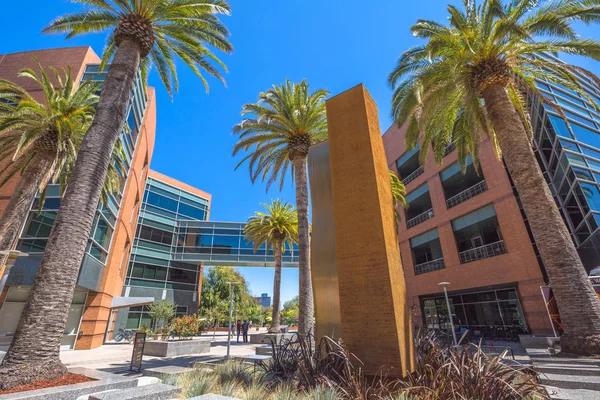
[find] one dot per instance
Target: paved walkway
(116, 358)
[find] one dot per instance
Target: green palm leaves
(398, 194)
(165, 29)
(278, 224)
(438, 86)
(284, 122)
(52, 128)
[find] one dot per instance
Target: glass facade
(152, 263)
(481, 311)
(568, 150)
(223, 243)
(36, 231)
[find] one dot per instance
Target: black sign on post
(138, 351)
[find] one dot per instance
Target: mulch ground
(68, 379)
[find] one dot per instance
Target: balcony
(420, 208)
(479, 253)
(450, 148)
(413, 175)
(429, 266)
(419, 218)
(467, 194)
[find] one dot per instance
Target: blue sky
(334, 44)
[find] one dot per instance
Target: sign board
(595, 280)
(138, 351)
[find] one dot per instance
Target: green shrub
(185, 326)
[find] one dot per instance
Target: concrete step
(563, 360)
(157, 391)
(571, 381)
(572, 394)
(266, 350)
(569, 369)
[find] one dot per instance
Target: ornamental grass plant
(303, 369)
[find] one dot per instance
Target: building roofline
(48, 49)
(178, 184)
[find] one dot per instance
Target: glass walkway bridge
(220, 243)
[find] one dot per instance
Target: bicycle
(126, 334)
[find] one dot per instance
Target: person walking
(245, 328)
(239, 329)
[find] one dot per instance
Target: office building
(469, 229)
(568, 150)
(105, 262)
(264, 300)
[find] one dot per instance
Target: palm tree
(39, 140)
(398, 194)
(469, 78)
(147, 31)
(277, 229)
(280, 129)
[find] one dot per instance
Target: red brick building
(468, 230)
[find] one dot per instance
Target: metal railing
(450, 148)
(413, 175)
(479, 253)
(419, 218)
(465, 195)
(429, 266)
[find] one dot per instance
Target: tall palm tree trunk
(577, 302)
(19, 203)
(306, 305)
(34, 352)
(276, 313)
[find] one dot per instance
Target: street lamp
(444, 285)
(11, 259)
(231, 284)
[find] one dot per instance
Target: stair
(568, 369)
(571, 394)
(567, 378)
(156, 391)
(266, 350)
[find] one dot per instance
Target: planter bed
(172, 348)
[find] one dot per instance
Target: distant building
(264, 300)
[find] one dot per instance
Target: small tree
(161, 313)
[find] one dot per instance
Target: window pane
(592, 194)
(192, 212)
(103, 233)
(559, 126)
(585, 135)
(162, 201)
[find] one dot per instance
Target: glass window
(583, 174)
(578, 118)
(39, 225)
(576, 159)
(32, 245)
(569, 145)
(558, 126)
(49, 204)
(181, 275)
(103, 233)
(97, 252)
(585, 135)
(192, 212)
(591, 152)
(592, 194)
(226, 241)
(162, 201)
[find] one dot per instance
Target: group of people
(243, 328)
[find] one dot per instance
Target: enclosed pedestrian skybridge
(223, 243)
